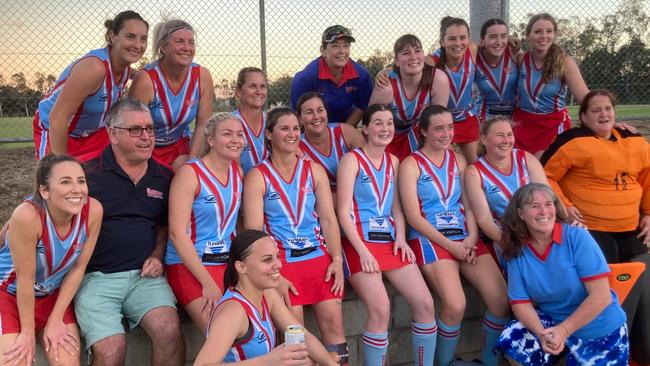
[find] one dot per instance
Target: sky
(46, 35)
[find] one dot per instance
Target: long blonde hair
(554, 59)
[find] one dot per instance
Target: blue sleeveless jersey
(499, 187)
(290, 211)
(89, 117)
(406, 111)
(254, 151)
(260, 338)
(372, 200)
(536, 96)
(497, 85)
(461, 102)
(330, 162)
(173, 110)
(439, 190)
(213, 221)
(55, 254)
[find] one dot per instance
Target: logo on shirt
(261, 338)
(273, 196)
(154, 193)
(350, 89)
(156, 105)
(427, 178)
(247, 147)
(103, 97)
(210, 199)
(366, 179)
(494, 189)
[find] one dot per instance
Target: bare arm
(574, 80)
(354, 117)
(479, 205)
(142, 88)
(253, 200)
(382, 93)
(353, 138)
(204, 111)
(440, 88)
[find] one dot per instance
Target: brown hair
(515, 232)
(241, 76)
(43, 174)
(409, 40)
(584, 105)
(308, 96)
(445, 23)
(240, 249)
(490, 22)
(273, 117)
(371, 110)
(485, 129)
(424, 121)
(163, 30)
(115, 25)
(554, 59)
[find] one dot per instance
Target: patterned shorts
(521, 345)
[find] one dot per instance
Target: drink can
(295, 334)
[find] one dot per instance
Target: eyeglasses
(137, 131)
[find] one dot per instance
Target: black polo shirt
(131, 212)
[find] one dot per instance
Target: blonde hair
(210, 128)
(163, 30)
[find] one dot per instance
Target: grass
(13, 127)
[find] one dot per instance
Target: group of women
(322, 202)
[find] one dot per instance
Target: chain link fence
(38, 39)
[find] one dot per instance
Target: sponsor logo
(350, 89)
(247, 147)
(366, 179)
(103, 97)
(154, 193)
(156, 105)
(494, 189)
(261, 338)
(427, 178)
(272, 196)
(623, 277)
(210, 199)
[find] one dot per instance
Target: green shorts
(104, 299)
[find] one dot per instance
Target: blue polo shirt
(554, 281)
(352, 91)
(131, 212)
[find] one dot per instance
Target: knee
(379, 311)
(109, 351)
(454, 309)
(331, 322)
(167, 333)
(423, 308)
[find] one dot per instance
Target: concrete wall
(354, 314)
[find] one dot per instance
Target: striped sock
(446, 345)
(423, 337)
(374, 348)
(491, 328)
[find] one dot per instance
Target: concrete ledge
(354, 318)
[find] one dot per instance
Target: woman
(290, 198)
(323, 143)
(251, 90)
(177, 91)
(496, 71)
(243, 320)
(545, 73)
(493, 179)
(371, 217)
(41, 269)
(413, 86)
(345, 84)
(571, 311)
(444, 236)
(70, 118)
(600, 173)
(205, 195)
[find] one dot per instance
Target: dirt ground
(17, 169)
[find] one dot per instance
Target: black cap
(335, 32)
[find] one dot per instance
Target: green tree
(377, 61)
(280, 92)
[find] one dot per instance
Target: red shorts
(405, 143)
(467, 130)
(383, 253)
(535, 132)
(427, 252)
(185, 286)
(167, 154)
(82, 148)
(308, 277)
(10, 318)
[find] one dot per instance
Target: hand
(288, 355)
(515, 44)
(335, 268)
(210, 294)
(626, 126)
(382, 80)
(407, 252)
(459, 251)
(553, 338)
(576, 217)
(644, 229)
(23, 350)
(284, 286)
(56, 334)
(152, 267)
(368, 262)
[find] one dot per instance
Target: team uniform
(55, 255)
(461, 101)
(541, 112)
(87, 135)
(254, 150)
(534, 278)
(172, 111)
(439, 189)
(352, 91)
(290, 217)
(497, 85)
(372, 204)
(405, 117)
(260, 338)
(330, 162)
(211, 229)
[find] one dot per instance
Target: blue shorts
(523, 346)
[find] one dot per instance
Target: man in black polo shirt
(124, 276)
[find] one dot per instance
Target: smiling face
(456, 41)
(253, 91)
(132, 149)
(66, 190)
(538, 213)
(313, 116)
(179, 48)
(495, 40)
(228, 139)
(600, 116)
(410, 59)
(541, 35)
(285, 134)
(130, 43)
(499, 140)
(380, 128)
(440, 131)
(336, 53)
(262, 265)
